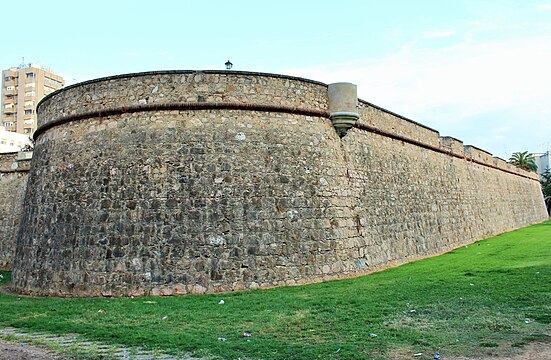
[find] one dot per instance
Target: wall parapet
(388, 123)
(470, 153)
(169, 87)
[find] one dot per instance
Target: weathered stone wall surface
(411, 202)
(387, 121)
(13, 178)
(177, 201)
(183, 86)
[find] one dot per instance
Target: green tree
(524, 160)
(546, 188)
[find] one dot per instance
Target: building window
(30, 85)
(29, 112)
(29, 93)
(8, 124)
(52, 82)
(30, 75)
(29, 122)
(8, 78)
(27, 130)
(9, 88)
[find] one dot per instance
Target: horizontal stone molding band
(391, 135)
(178, 106)
(146, 74)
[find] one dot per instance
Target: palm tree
(524, 160)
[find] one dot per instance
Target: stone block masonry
(14, 169)
(183, 182)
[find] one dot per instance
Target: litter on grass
(101, 311)
(245, 334)
(222, 339)
(165, 317)
(149, 302)
(417, 354)
(221, 302)
(372, 335)
(436, 356)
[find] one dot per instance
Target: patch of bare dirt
(533, 351)
(17, 351)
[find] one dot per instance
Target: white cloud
(459, 89)
(439, 34)
(544, 7)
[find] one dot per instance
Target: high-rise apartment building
(22, 88)
(542, 161)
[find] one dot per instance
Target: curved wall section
(179, 201)
(188, 182)
(175, 87)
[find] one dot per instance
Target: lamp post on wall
(228, 65)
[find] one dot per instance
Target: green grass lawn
(491, 296)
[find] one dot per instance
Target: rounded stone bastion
(178, 182)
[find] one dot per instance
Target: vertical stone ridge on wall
(14, 168)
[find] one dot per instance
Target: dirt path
(17, 351)
(534, 351)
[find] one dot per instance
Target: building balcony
(9, 119)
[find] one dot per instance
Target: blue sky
(479, 71)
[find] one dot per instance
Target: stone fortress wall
(180, 182)
(14, 169)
